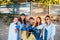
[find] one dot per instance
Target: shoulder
(44, 24)
(11, 24)
(52, 24)
(40, 26)
(19, 22)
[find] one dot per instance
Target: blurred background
(11, 8)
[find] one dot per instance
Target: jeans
(45, 35)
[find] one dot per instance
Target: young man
(49, 29)
(30, 29)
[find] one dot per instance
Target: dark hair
(47, 16)
(22, 14)
(36, 24)
(29, 30)
(31, 18)
(20, 19)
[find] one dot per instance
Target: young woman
(39, 31)
(12, 30)
(22, 20)
(49, 29)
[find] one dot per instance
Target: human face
(38, 20)
(31, 21)
(22, 17)
(47, 20)
(15, 20)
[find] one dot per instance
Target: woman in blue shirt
(22, 20)
(49, 29)
(36, 29)
(39, 31)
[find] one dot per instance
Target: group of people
(41, 31)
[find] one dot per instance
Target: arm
(24, 28)
(10, 28)
(53, 32)
(31, 29)
(41, 33)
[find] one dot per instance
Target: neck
(38, 23)
(15, 23)
(49, 23)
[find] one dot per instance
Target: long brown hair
(20, 19)
(36, 24)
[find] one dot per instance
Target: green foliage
(8, 18)
(47, 2)
(1, 0)
(6, 2)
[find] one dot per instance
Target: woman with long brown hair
(38, 21)
(22, 20)
(36, 30)
(38, 33)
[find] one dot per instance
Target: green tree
(47, 3)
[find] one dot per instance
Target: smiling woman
(30, 26)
